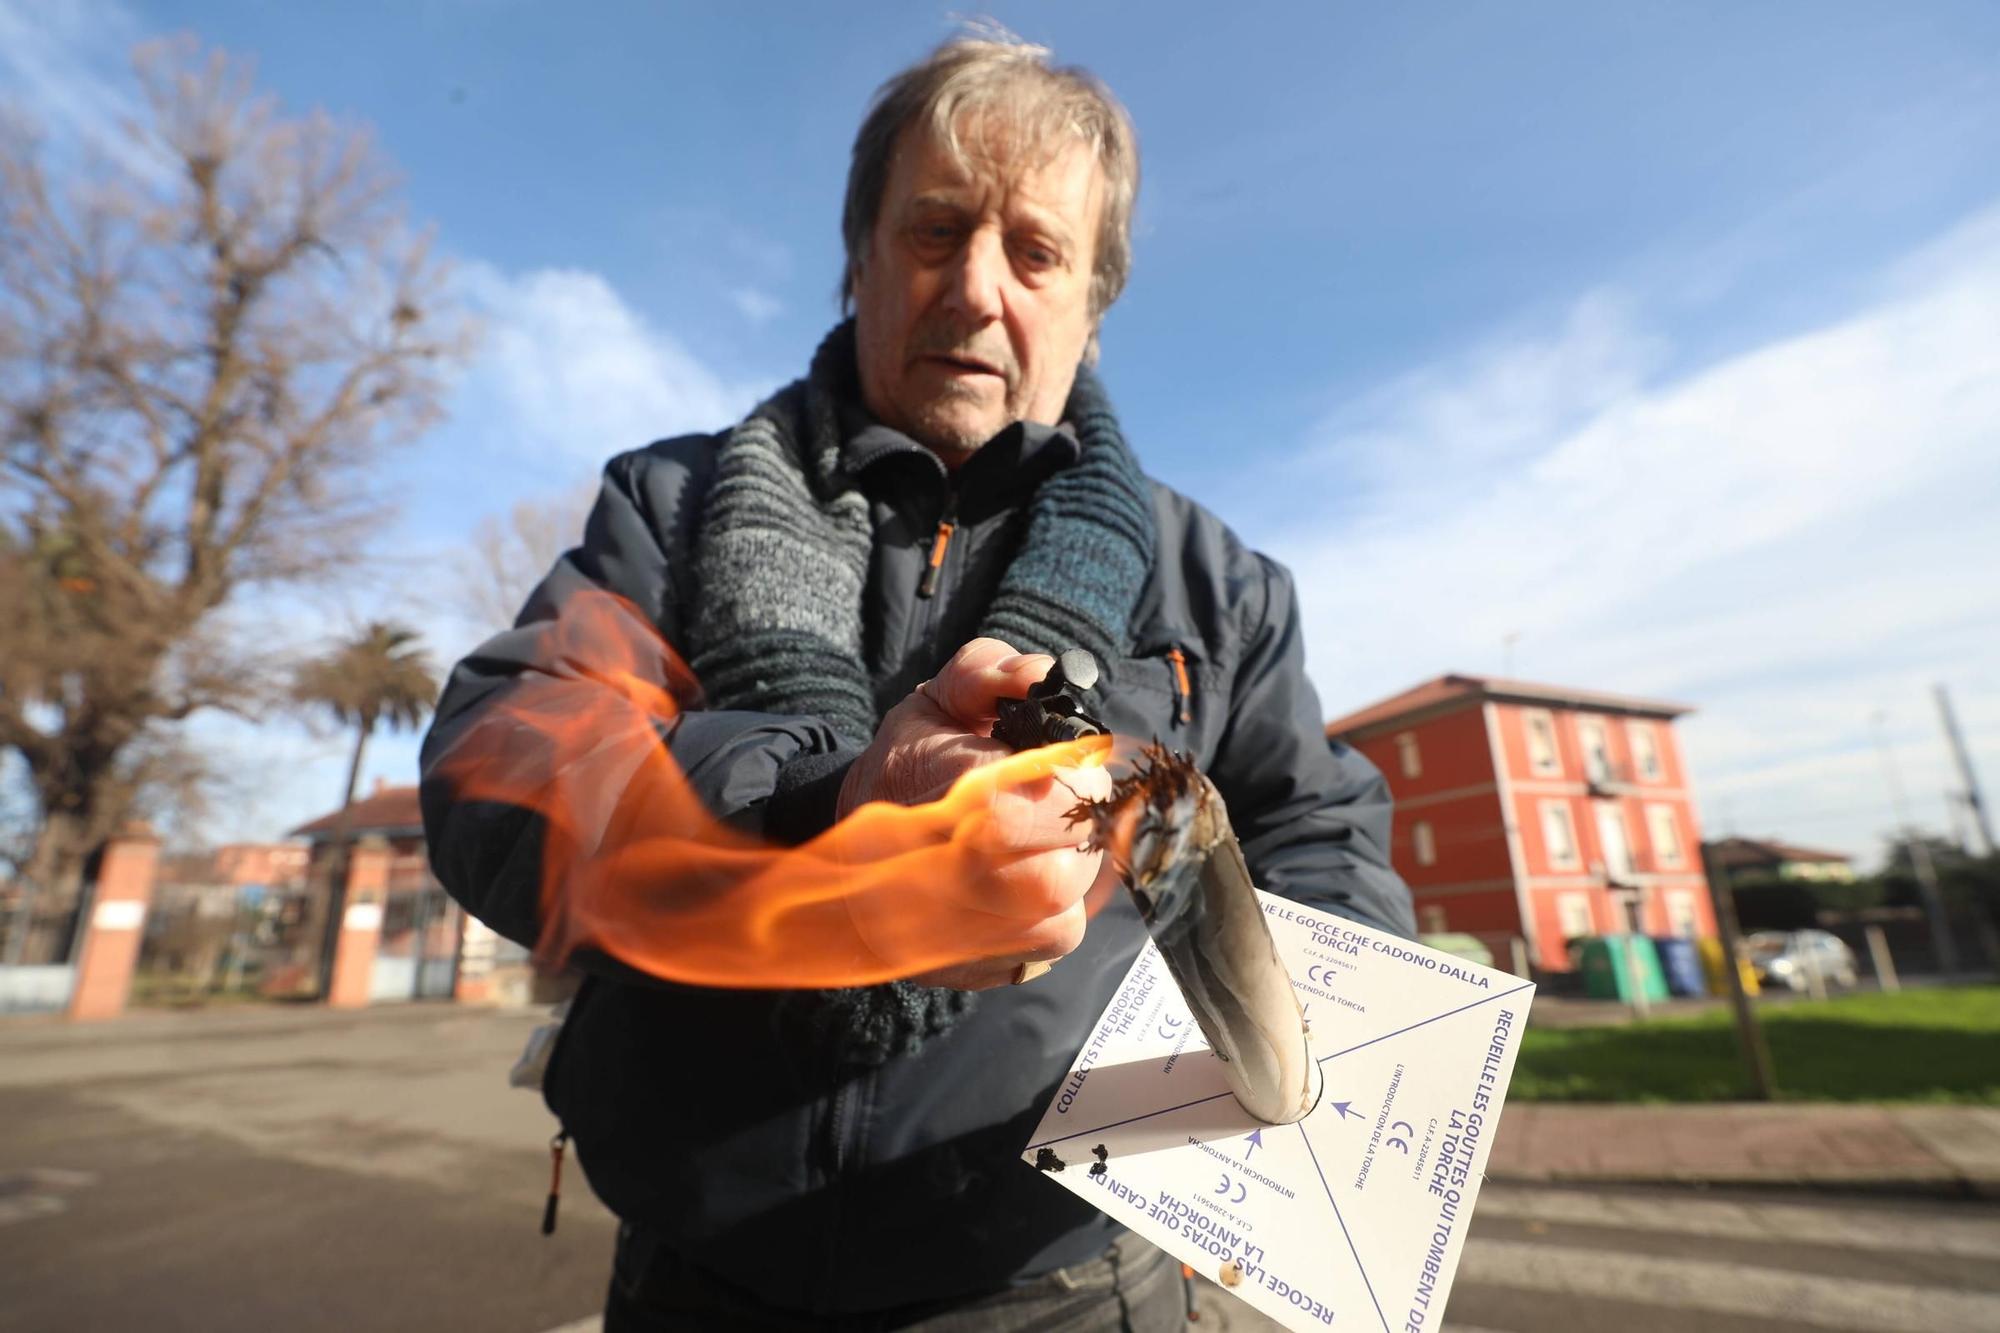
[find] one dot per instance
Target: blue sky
(1663, 337)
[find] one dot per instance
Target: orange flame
(635, 865)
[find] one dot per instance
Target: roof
(386, 810)
(1443, 692)
(1733, 852)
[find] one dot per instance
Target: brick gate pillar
(360, 924)
(476, 946)
(109, 950)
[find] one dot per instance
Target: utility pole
(1749, 1030)
(1920, 859)
(1975, 805)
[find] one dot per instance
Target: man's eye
(1038, 256)
(936, 233)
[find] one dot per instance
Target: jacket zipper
(940, 544)
(846, 1114)
(1183, 691)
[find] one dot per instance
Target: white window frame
(1413, 761)
(1423, 839)
(1644, 739)
(1670, 850)
(1588, 728)
(1554, 809)
(1683, 916)
(1610, 816)
(1570, 907)
(1529, 716)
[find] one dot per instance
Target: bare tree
(205, 341)
(508, 556)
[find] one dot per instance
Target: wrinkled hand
(1035, 880)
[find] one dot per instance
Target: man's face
(973, 300)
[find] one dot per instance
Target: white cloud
(1792, 540)
(575, 370)
(64, 59)
(1494, 405)
(756, 306)
(66, 64)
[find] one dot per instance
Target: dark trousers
(1131, 1288)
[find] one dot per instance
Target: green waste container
(1620, 967)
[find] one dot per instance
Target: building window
(1682, 918)
(1645, 749)
(1426, 843)
(1666, 831)
(1413, 763)
(1560, 834)
(1434, 920)
(1542, 757)
(1617, 846)
(1573, 916)
(1596, 749)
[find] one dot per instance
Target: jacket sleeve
(768, 774)
(1313, 818)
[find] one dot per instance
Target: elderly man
(856, 574)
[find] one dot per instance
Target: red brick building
(1537, 811)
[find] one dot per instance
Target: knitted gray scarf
(782, 560)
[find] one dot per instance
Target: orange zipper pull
(939, 545)
(555, 1182)
(1183, 691)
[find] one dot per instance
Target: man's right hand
(1030, 892)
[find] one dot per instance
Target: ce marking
(1225, 1187)
(1167, 1028)
(1319, 974)
(1397, 1141)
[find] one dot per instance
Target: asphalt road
(314, 1173)
(1675, 1260)
(307, 1171)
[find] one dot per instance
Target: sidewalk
(1930, 1149)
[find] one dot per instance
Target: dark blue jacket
(695, 1112)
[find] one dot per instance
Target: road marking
(1726, 1288)
(22, 1201)
(1853, 1228)
(28, 1207)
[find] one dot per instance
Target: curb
(1946, 1184)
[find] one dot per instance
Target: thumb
(979, 675)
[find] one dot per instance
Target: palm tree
(381, 676)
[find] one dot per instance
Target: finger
(1035, 816)
(1089, 783)
(1045, 941)
(1057, 937)
(1039, 886)
(986, 974)
(979, 675)
(1105, 887)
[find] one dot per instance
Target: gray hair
(994, 74)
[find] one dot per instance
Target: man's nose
(976, 279)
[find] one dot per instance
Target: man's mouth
(965, 364)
